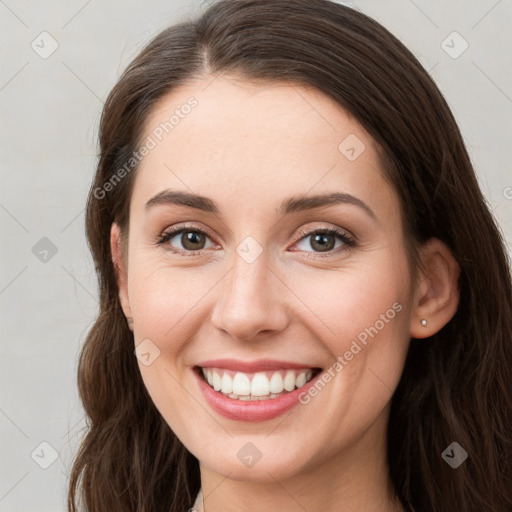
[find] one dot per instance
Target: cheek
(164, 301)
(360, 315)
(361, 319)
(343, 303)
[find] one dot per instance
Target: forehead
(263, 141)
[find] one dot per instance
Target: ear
(121, 272)
(436, 296)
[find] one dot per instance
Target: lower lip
(246, 410)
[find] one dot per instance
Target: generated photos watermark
(355, 348)
(150, 143)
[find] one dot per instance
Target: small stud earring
(424, 322)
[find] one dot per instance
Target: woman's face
(247, 281)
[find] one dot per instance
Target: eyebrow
(290, 205)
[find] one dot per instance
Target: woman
(305, 303)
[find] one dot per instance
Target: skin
(248, 146)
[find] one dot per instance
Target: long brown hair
(456, 386)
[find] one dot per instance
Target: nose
(251, 300)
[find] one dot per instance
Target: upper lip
(259, 365)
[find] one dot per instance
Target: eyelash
(341, 235)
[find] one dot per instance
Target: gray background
(50, 109)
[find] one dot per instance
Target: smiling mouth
(256, 386)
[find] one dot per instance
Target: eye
(323, 240)
(191, 238)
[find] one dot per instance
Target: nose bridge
(251, 296)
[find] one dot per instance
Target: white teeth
(276, 383)
(289, 380)
(260, 387)
(301, 379)
(241, 384)
(250, 398)
(227, 384)
(217, 383)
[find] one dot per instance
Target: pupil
(191, 237)
(321, 239)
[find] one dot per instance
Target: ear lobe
(436, 296)
(121, 272)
